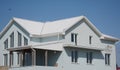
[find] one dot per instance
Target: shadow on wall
(82, 53)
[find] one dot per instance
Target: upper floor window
(25, 41)
(74, 38)
(19, 39)
(74, 56)
(89, 57)
(90, 39)
(107, 59)
(6, 44)
(5, 59)
(12, 40)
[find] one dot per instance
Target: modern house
(67, 44)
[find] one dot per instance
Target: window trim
(6, 44)
(25, 41)
(89, 57)
(107, 59)
(12, 39)
(5, 59)
(19, 39)
(90, 39)
(74, 56)
(74, 38)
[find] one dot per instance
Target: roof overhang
(106, 37)
(56, 46)
(47, 35)
(83, 47)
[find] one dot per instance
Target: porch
(38, 55)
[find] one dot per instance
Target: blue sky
(104, 14)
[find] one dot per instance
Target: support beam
(21, 59)
(46, 58)
(10, 58)
(33, 56)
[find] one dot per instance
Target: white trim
(83, 47)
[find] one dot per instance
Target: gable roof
(32, 27)
(39, 29)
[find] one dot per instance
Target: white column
(46, 58)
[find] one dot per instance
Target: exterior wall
(14, 28)
(84, 31)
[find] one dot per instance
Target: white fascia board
(92, 26)
(64, 30)
(6, 27)
(47, 35)
(83, 47)
(107, 37)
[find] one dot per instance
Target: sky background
(104, 14)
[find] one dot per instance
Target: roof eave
(109, 38)
(6, 27)
(47, 35)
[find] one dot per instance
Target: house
(67, 44)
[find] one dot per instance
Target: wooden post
(10, 59)
(33, 56)
(21, 59)
(46, 58)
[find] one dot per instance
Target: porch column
(21, 59)
(33, 56)
(46, 58)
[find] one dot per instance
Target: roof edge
(6, 27)
(107, 37)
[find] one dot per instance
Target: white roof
(60, 25)
(32, 27)
(35, 28)
(40, 28)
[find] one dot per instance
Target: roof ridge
(14, 18)
(66, 19)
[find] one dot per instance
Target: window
(6, 44)
(18, 56)
(74, 38)
(74, 57)
(89, 57)
(107, 59)
(90, 39)
(12, 40)
(5, 59)
(25, 41)
(19, 39)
